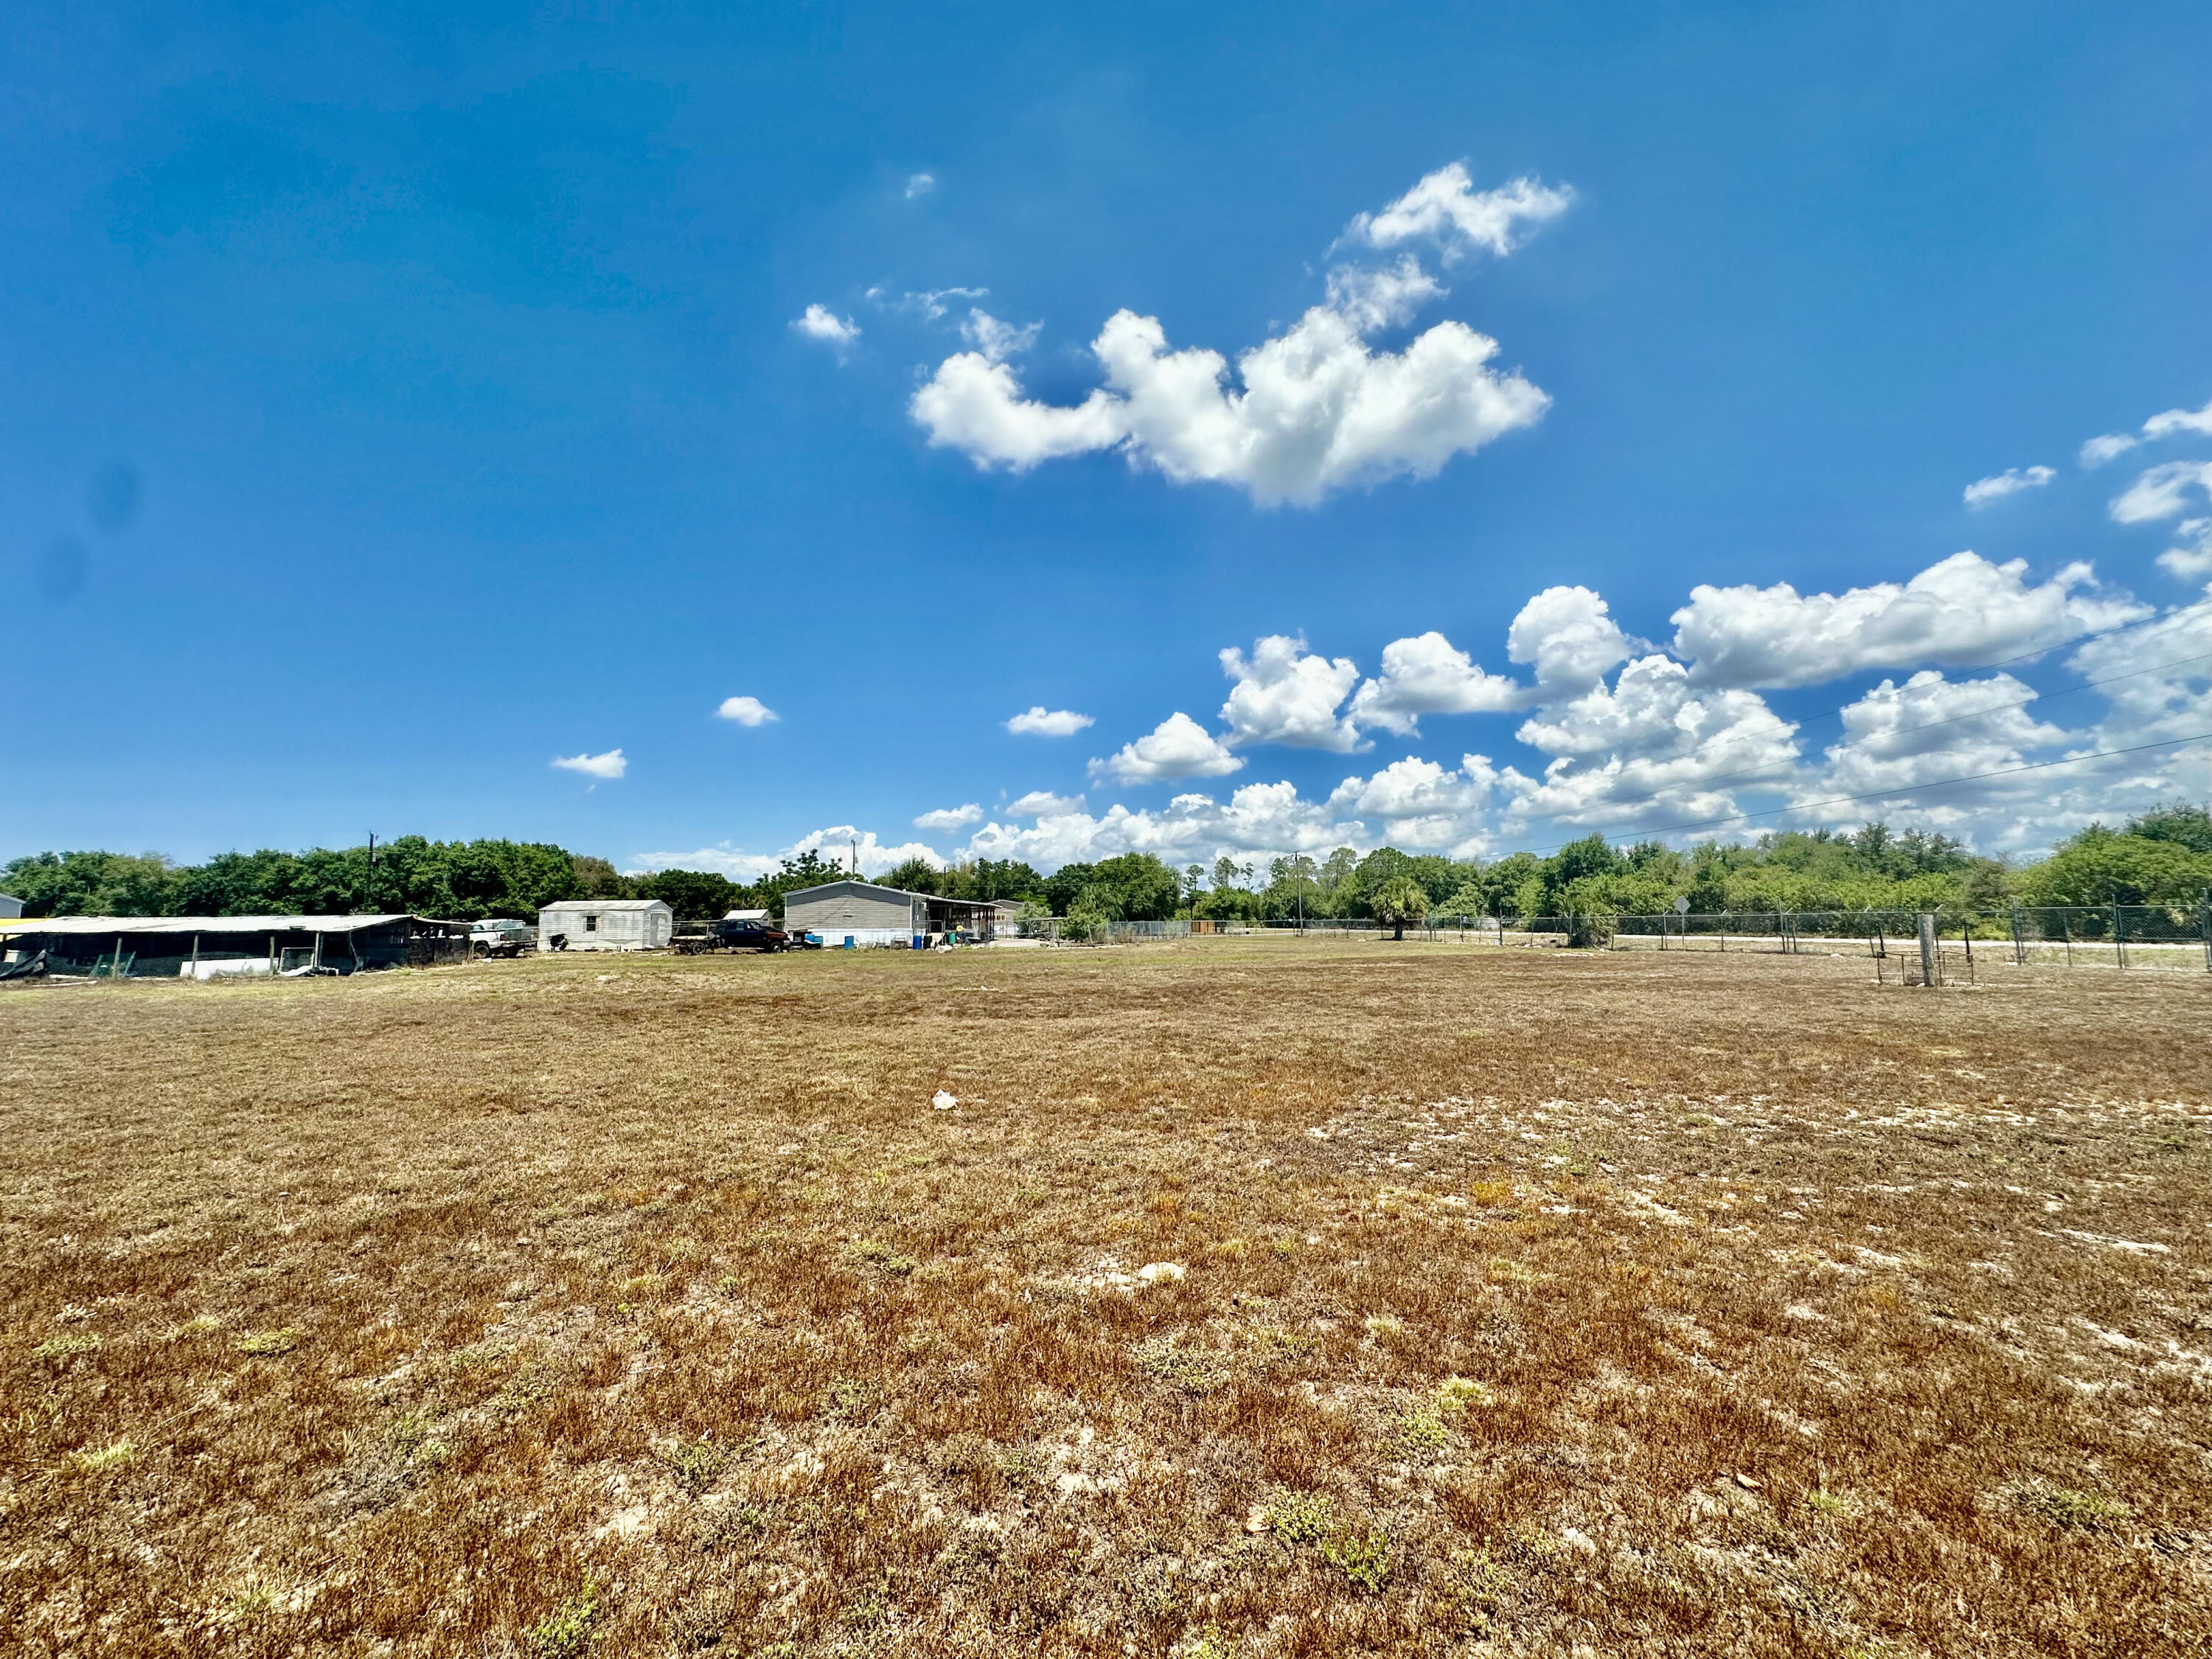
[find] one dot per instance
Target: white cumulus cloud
(1038, 722)
(609, 765)
(1930, 729)
(1284, 694)
(1178, 747)
(1428, 675)
(1259, 820)
(2010, 481)
(1961, 609)
(1313, 410)
(1570, 637)
(950, 818)
(1318, 411)
(1421, 804)
(1653, 734)
(1446, 207)
(818, 322)
(746, 711)
(919, 184)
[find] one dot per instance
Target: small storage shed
(861, 913)
(10, 905)
(606, 925)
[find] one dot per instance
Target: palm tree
(1398, 901)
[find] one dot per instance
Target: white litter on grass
(1160, 1273)
(2132, 1246)
(943, 1101)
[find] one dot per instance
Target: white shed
(606, 925)
(10, 905)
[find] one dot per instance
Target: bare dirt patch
(1535, 1302)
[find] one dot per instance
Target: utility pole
(369, 887)
(1298, 864)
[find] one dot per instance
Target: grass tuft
(567, 1631)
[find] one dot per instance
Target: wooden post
(1927, 949)
(2119, 946)
(2018, 951)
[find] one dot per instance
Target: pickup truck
(735, 931)
(499, 936)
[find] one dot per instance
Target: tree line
(2162, 857)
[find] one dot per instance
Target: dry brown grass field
(1528, 1303)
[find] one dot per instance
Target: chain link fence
(2084, 935)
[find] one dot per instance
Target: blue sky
(400, 400)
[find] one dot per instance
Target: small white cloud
(1569, 635)
(997, 341)
(1284, 694)
(1178, 747)
(1038, 722)
(1043, 804)
(1374, 297)
(950, 818)
(1446, 207)
(930, 304)
(746, 711)
(818, 322)
(919, 184)
(1428, 675)
(2191, 557)
(2161, 492)
(609, 765)
(2010, 481)
(2165, 424)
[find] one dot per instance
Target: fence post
(2018, 954)
(2205, 902)
(2120, 946)
(1927, 949)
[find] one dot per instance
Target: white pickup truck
(498, 936)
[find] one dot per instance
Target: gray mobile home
(861, 913)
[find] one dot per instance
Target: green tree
(694, 894)
(1398, 901)
(2183, 823)
(2100, 867)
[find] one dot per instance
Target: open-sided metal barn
(861, 913)
(209, 947)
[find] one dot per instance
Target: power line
(1883, 794)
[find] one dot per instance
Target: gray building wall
(606, 925)
(840, 907)
(10, 906)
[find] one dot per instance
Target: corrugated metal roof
(604, 904)
(198, 924)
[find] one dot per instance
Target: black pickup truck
(734, 933)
